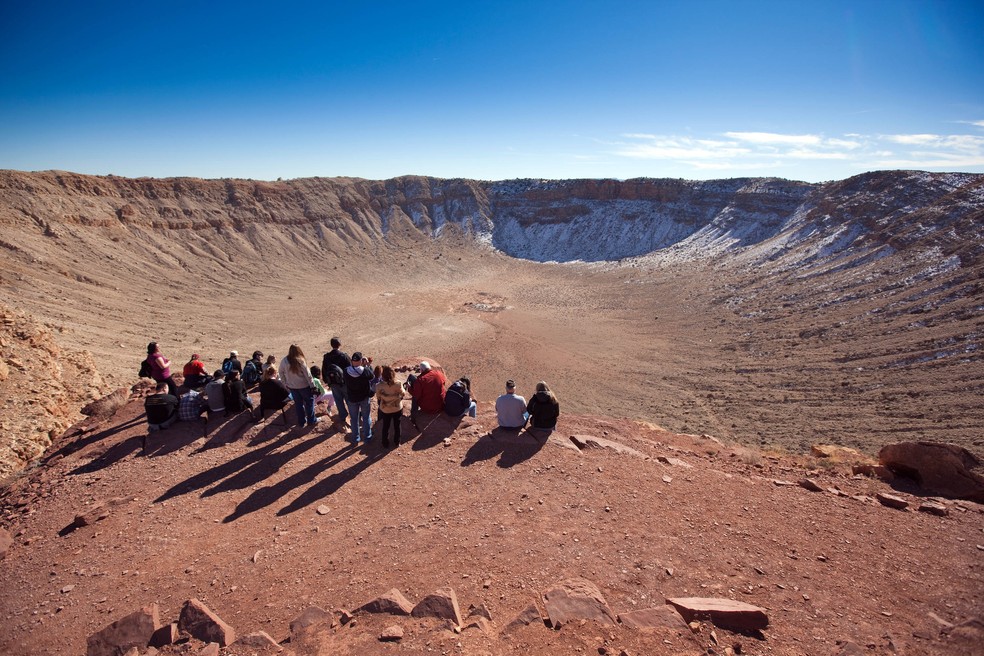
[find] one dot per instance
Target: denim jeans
(338, 391)
(359, 418)
(304, 402)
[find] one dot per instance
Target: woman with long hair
(390, 395)
(295, 374)
(273, 393)
(544, 408)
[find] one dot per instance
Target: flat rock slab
(260, 640)
(674, 462)
(134, 630)
(198, 621)
(392, 633)
(811, 485)
(392, 602)
(661, 617)
(837, 453)
(725, 613)
(576, 599)
(442, 604)
(892, 501)
(591, 442)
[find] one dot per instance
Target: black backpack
(144, 369)
(251, 373)
(333, 374)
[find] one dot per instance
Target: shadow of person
(511, 446)
(433, 429)
(334, 482)
(85, 440)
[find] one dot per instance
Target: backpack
(227, 366)
(334, 374)
(144, 369)
(251, 373)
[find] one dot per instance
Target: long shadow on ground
(511, 447)
(433, 430)
(267, 495)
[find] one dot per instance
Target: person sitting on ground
(191, 406)
(273, 393)
(358, 396)
(194, 373)
(510, 408)
(253, 370)
(271, 361)
(427, 392)
(321, 394)
(232, 363)
(389, 396)
(458, 400)
(544, 408)
(235, 396)
(161, 408)
(214, 393)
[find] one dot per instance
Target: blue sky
(492, 90)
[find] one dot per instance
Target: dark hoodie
(544, 410)
(358, 385)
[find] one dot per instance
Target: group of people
(347, 382)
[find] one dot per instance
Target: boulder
(134, 630)
(211, 649)
(944, 469)
(392, 603)
(724, 613)
(661, 617)
(442, 604)
(311, 615)
(576, 599)
(107, 405)
(198, 621)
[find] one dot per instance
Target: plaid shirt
(191, 406)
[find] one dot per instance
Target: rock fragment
(442, 604)
(724, 613)
(134, 630)
(310, 615)
(661, 617)
(258, 640)
(584, 442)
(576, 599)
(934, 508)
(392, 602)
(392, 633)
(6, 541)
(811, 485)
(892, 501)
(527, 616)
(198, 621)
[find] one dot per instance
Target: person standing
(358, 395)
(510, 408)
(296, 376)
(389, 396)
(427, 392)
(160, 368)
(544, 408)
(333, 367)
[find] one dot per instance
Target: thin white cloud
(746, 150)
(775, 139)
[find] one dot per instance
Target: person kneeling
(458, 400)
(161, 408)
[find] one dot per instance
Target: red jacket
(194, 367)
(429, 391)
